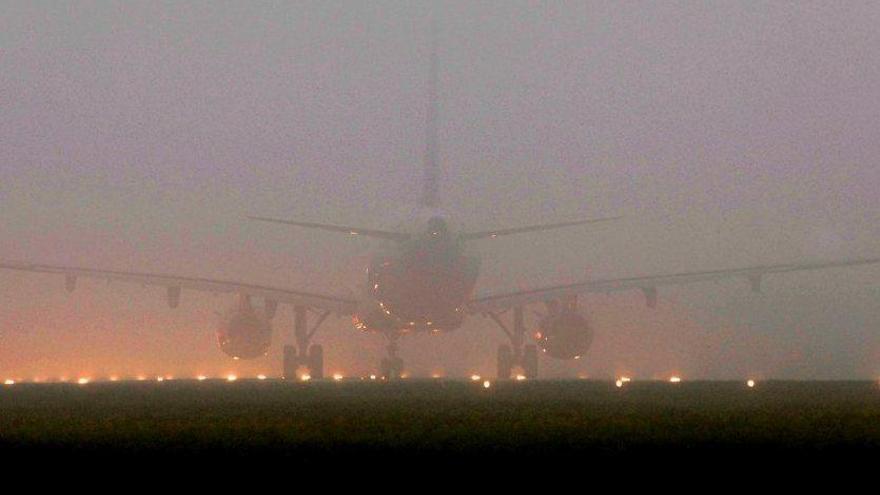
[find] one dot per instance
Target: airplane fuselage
(419, 285)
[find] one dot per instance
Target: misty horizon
(138, 136)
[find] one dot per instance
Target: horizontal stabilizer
(470, 236)
(381, 234)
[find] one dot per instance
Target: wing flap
(753, 274)
(338, 305)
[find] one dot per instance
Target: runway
(447, 420)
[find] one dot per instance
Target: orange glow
(338, 376)
(201, 378)
(9, 381)
(261, 377)
(141, 378)
(83, 381)
(305, 377)
(231, 378)
(114, 378)
(160, 378)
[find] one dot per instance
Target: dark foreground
(417, 422)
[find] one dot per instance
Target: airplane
(421, 279)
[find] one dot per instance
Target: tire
(505, 362)
(289, 365)
(391, 368)
(385, 369)
(396, 368)
(316, 362)
(530, 361)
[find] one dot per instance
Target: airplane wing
(381, 234)
(470, 236)
(174, 284)
(648, 285)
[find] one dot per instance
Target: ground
(452, 421)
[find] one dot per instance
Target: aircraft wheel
(397, 365)
(316, 362)
(530, 361)
(505, 362)
(289, 366)
(391, 368)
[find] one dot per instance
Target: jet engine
(245, 332)
(564, 334)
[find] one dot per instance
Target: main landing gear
(516, 354)
(302, 354)
(391, 367)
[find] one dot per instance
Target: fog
(137, 136)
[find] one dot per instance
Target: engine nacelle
(244, 334)
(564, 335)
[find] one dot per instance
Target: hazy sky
(137, 135)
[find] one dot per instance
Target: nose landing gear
(516, 354)
(303, 354)
(391, 367)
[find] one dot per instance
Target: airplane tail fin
(431, 185)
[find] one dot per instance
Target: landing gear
(516, 354)
(303, 354)
(316, 362)
(505, 362)
(391, 367)
(530, 361)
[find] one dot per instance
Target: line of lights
(338, 376)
